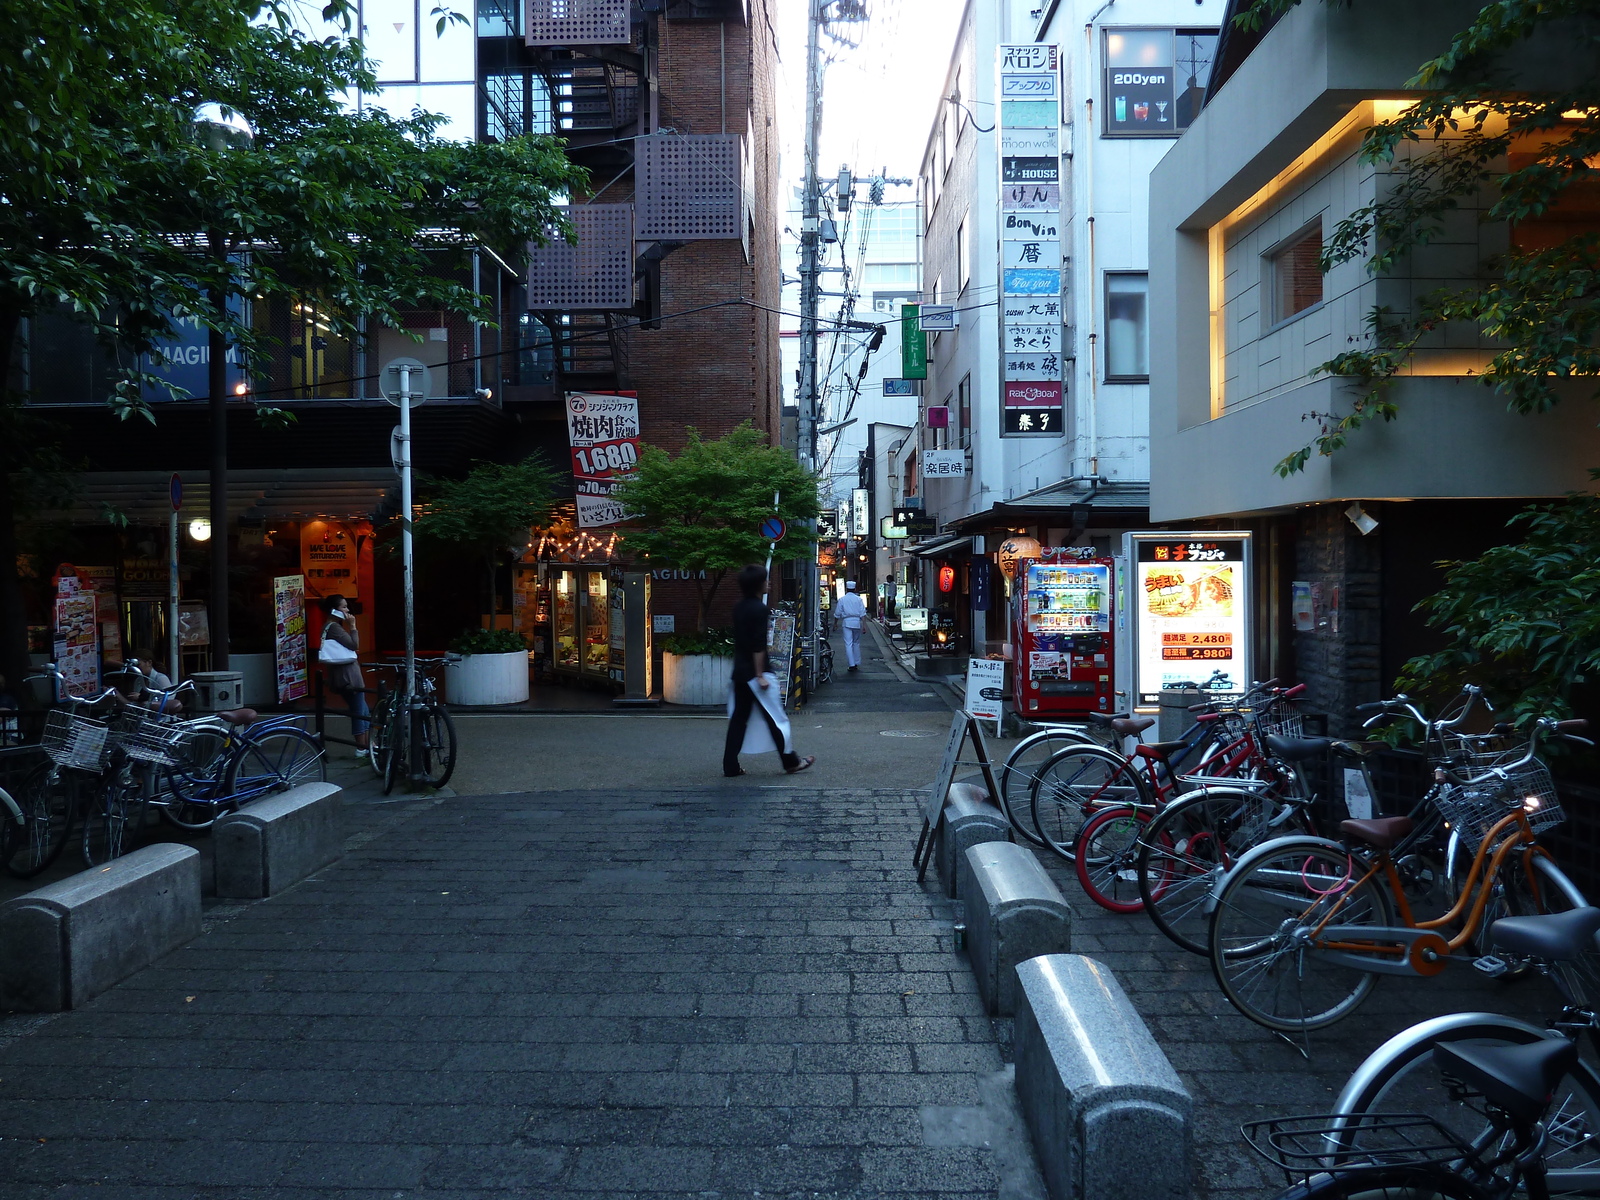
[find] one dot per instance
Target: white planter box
(696, 678)
(487, 678)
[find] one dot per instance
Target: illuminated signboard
(1191, 608)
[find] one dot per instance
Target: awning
(302, 493)
(1059, 503)
(941, 547)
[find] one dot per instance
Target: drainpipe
(1093, 415)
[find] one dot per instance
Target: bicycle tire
(1260, 954)
(1188, 849)
(378, 734)
(1401, 1072)
(112, 819)
(1074, 783)
(1397, 1182)
(1107, 856)
(49, 799)
(275, 761)
(1021, 769)
(191, 790)
(398, 748)
(436, 755)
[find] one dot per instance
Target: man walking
(850, 612)
(750, 665)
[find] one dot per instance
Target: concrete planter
(701, 679)
(487, 678)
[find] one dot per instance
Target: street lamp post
(222, 130)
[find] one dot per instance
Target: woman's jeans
(356, 700)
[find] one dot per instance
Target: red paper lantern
(947, 579)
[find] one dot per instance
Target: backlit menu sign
(1139, 101)
(1032, 401)
(1191, 606)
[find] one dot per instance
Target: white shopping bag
(757, 734)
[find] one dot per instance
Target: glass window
(1155, 80)
(1294, 273)
(1127, 326)
(889, 273)
(893, 223)
(963, 414)
(963, 255)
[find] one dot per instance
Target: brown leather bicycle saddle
(1380, 832)
(238, 716)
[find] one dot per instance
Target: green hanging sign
(913, 344)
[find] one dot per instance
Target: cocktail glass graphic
(1161, 110)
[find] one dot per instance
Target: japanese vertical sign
(913, 344)
(289, 636)
(1031, 391)
(603, 428)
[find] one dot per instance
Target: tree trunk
(702, 604)
(13, 611)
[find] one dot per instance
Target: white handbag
(335, 654)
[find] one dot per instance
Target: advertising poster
(780, 656)
(986, 697)
(289, 636)
(77, 635)
(603, 430)
(102, 581)
(328, 560)
(1191, 602)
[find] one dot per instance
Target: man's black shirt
(749, 636)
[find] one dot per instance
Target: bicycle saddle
(1296, 749)
(1380, 832)
(1519, 1079)
(1123, 726)
(1557, 936)
(238, 716)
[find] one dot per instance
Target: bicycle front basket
(1475, 808)
(73, 740)
(148, 739)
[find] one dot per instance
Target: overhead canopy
(303, 494)
(1113, 503)
(941, 547)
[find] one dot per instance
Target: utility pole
(810, 275)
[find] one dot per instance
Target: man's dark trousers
(744, 700)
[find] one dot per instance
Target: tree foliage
(491, 510)
(701, 510)
(1471, 134)
(1522, 620)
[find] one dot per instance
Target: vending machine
(1061, 630)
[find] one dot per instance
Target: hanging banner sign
(603, 430)
(1191, 611)
(913, 343)
(289, 636)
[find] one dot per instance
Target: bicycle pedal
(1491, 966)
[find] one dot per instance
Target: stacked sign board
(1030, 241)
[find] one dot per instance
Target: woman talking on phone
(341, 667)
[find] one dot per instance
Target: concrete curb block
(1097, 1093)
(967, 819)
(66, 943)
(274, 843)
(1014, 912)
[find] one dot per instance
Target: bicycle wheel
(1400, 1076)
(1074, 783)
(1262, 939)
(436, 745)
(1188, 848)
(49, 800)
(1386, 1183)
(378, 735)
(1021, 769)
(275, 761)
(191, 791)
(1107, 858)
(398, 751)
(113, 818)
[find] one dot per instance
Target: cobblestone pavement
(738, 994)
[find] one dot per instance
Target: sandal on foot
(801, 765)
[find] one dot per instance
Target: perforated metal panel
(597, 273)
(687, 187)
(577, 22)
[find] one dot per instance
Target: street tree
(701, 510)
(113, 210)
(490, 511)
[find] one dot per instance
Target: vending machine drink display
(1061, 619)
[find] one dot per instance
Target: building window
(1155, 80)
(1293, 274)
(879, 273)
(1127, 327)
(963, 255)
(963, 414)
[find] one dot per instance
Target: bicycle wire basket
(1305, 1146)
(73, 740)
(148, 739)
(1281, 717)
(1475, 808)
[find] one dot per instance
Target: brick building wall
(1340, 661)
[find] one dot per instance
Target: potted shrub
(700, 512)
(697, 668)
(491, 668)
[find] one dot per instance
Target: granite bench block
(968, 818)
(1108, 1115)
(1014, 912)
(274, 843)
(68, 942)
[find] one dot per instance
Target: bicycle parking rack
(1014, 912)
(969, 819)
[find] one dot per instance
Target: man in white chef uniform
(849, 613)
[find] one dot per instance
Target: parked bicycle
(412, 735)
(1303, 926)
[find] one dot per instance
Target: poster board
(102, 581)
(986, 697)
(1191, 626)
(780, 650)
(289, 636)
(603, 433)
(963, 725)
(77, 636)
